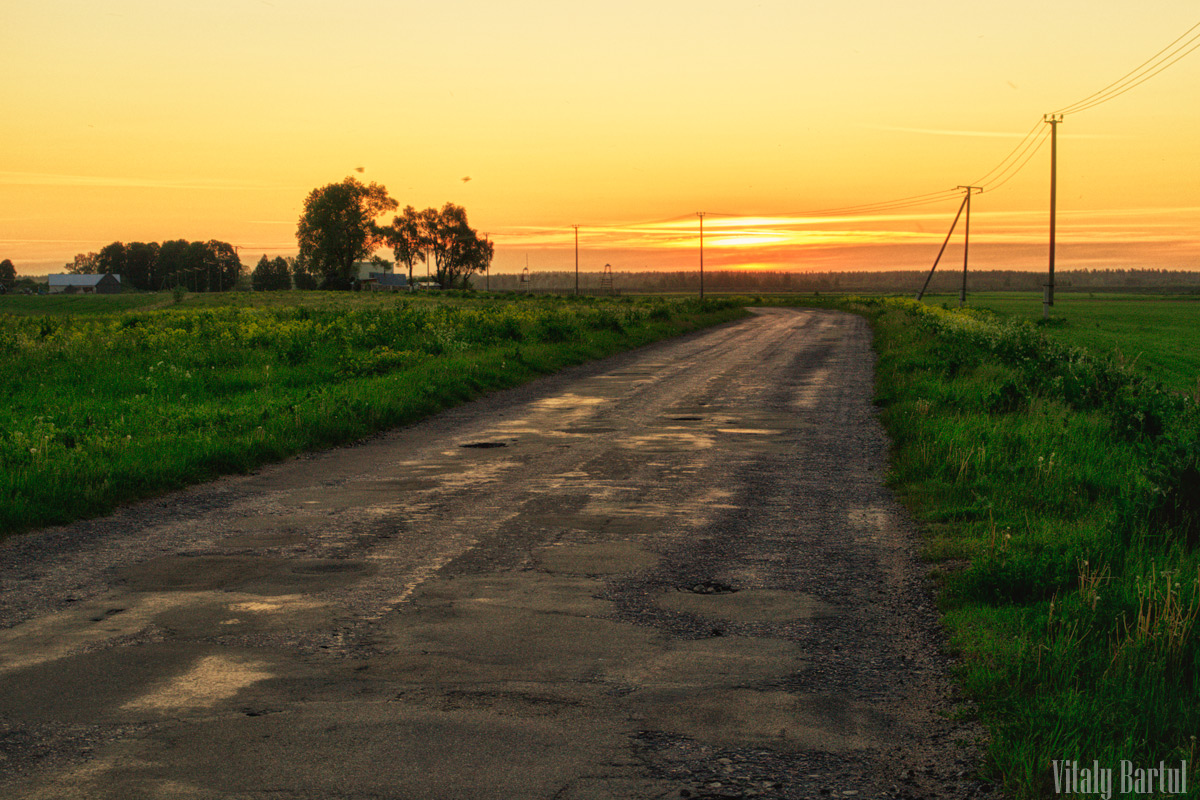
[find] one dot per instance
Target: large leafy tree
(8, 274)
(84, 264)
(173, 263)
(111, 258)
(302, 275)
(338, 228)
(271, 275)
(404, 237)
(200, 266)
(141, 266)
(221, 265)
(457, 250)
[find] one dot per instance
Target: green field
(1058, 487)
(1158, 335)
(108, 399)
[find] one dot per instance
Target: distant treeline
(901, 281)
(150, 266)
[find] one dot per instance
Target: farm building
(387, 281)
(107, 283)
(364, 270)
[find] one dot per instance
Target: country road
(672, 573)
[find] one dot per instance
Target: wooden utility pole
(962, 295)
(576, 227)
(949, 233)
(1053, 121)
(700, 214)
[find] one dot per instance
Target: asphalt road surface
(672, 573)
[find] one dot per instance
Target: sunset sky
(135, 120)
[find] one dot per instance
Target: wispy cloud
(56, 179)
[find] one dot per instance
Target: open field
(1060, 493)
(1158, 335)
(104, 406)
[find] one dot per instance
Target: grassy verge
(1157, 336)
(108, 406)
(1060, 492)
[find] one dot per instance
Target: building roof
(388, 279)
(80, 280)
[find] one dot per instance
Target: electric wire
(1137, 75)
(1041, 140)
(1195, 45)
(984, 179)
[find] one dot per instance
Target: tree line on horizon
(891, 282)
(210, 266)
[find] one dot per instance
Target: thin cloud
(55, 179)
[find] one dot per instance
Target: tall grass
(107, 407)
(1061, 494)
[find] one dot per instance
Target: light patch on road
(671, 440)
(211, 680)
(871, 517)
(58, 635)
(568, 401)
(809, 395)
(281, 603)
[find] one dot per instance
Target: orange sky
(143, 121)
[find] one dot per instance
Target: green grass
(105, 406)
(1159, 336)
(1059, 489)
(61, 304)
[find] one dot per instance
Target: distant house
(363, 270)
(387, 281)
(106, 283)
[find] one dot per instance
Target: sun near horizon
(792, 127)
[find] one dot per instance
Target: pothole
(708, 587)
(484, 445)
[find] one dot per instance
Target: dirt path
(674, 573)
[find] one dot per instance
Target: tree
(457, 250)
(303, 277)
(338, 228)
(173, 263)
(271, 275)
(111, 259)
(222, 267)
(283, 270)
(404, 237)
(83, 264)
(141, 266)
(8, 274)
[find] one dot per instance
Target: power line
(1195, 46)
(1037, 127)
(1031, 150)
(1141, 73)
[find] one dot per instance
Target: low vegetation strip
(1061, 492)
(1158, 335)
(106, 407)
